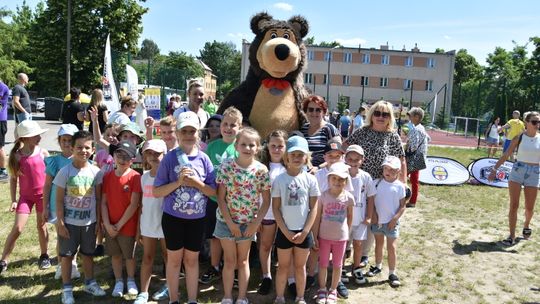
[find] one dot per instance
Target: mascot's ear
(258, 21)
(300, 24)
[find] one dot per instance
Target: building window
(325, 79)
(328, 56)
(385, 59)
(310, 55)
(431, 62)
(346, 80)
(429, 85)
(407, 84)
(347, 57)
(408, 61)
(308, 78)
(364, 81)
(384, 82)
(365, 58)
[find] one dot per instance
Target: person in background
(4, 95)
(492, 136)
(73, 111)
(196, 99)
(174, 103)
(97, 103)
(344, 123)
(210, 106)
(168, 134)
(212, 129)
(358, 120)
(525, 173)
(21, 100)
(512, 128)
(416, 151)
(127, 108)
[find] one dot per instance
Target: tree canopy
(225, 62)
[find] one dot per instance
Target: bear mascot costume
(271, 95)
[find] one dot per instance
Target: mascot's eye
(274, 35)
(286, 36)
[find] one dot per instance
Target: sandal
(509, 241)
(527, 233)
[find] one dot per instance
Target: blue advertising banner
(481, 168)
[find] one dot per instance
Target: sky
(476, 25)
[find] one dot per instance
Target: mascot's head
(277, 50)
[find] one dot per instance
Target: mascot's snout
(278, 56)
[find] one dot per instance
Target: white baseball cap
(355, 148)
(67, 129)
(157, 145)
(392, 162)
(342, 170)
(29, 128)
(187, 119)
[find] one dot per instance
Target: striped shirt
(318, 141)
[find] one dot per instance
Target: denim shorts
(525, 174)
(383, 229)
(222, 232)
(492, 140)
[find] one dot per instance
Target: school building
(364, 75)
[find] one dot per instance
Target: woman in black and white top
(525, 172)
(492, 136)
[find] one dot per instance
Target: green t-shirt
(218, 151)
(210, 107)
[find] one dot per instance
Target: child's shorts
(120, 245)
(81, 238)
(282, 242)
(525, 174)
(183, 233)
(337, 248)
(222, 231)
(360, 232)
(25, 205)
(383, 229)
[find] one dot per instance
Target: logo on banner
(481, 169)
(439, 173)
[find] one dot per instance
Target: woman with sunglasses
(525, 172)
(379, 139)
(317, 131)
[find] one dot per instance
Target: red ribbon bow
(279, 84)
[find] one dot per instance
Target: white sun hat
(29, 128)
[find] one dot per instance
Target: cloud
(198, 29)
(283, 6)
(447, 37)
(237, 35)
(354, 42)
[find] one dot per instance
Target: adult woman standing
(379, 139)
(415, 151)
(492, 136)
(525, 172)
(358, 120)
(317, 131)
(96, 103)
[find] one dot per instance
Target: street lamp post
(328, 74)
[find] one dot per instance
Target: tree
(92, 20)
(225, 62)
(149, 49)
(466, 69)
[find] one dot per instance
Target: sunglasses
(534, 122)
(310, 110)
(383, 114)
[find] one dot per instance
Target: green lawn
(448, 252)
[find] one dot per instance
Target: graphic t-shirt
(334, 216)
(80, 195)
(151, 212)
(118, 190)
(218, 151)
(244, 186)
(387, 199)
(185, 202)
(363, 188)
(295, 192)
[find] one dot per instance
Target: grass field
(448, 252)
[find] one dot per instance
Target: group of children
(233, 192)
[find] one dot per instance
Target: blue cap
(297, 143)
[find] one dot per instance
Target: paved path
(48, 139)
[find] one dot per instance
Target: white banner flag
(434, 109)
(132, 82)
(109, 88)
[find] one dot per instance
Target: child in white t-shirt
(364, 196)
(389, 207)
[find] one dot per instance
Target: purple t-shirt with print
(185, 202)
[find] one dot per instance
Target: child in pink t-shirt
(331, 228)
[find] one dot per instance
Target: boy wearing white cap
(389, 207)
(364, 195)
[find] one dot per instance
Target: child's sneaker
(142, 298)
(359, 277)
(118, 290)
(241, 301)
(210, 276)
(44, 261)
(342, 291)
(161, 294)
(373, 271)
(332, 297)
(344, 277)
(394, 280)
(67, 297)
(363, 261)
(279, 300)
(99, 251)
(321, 296)
(3, 266)
(94, 289)
(132, 288)
(266, 286)
(299, 301)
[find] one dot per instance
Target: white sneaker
(94, 289)
(118, 290)
(67, 297)
(58, 273)
(132, 288)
